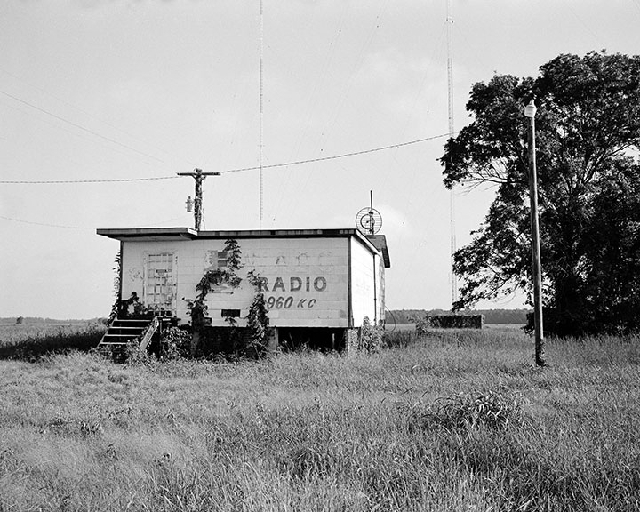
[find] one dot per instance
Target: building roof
(380, 243)
(377, 243)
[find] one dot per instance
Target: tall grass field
(451, 421)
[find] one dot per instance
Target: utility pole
(199, 176)
(530, 112)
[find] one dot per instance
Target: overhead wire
(243, 169)
(47, 182)
(346, 88)
(324, 72)
(80, 127)
(48, 225)
(38, 223)
(83, 135)
(597, 38)
(81, 110)
(343, 155)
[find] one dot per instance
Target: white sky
(117, 89)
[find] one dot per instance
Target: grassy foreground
(452, 422)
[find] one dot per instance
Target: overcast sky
(131, 89)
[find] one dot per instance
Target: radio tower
(452, 195)
(261, 108)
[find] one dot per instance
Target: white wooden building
(316, 279)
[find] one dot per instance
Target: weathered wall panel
(362, 282)
(382, 290)
(306, 278)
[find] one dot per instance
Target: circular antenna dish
(369, 221)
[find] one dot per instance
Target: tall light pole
(530, 112)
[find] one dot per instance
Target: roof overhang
(148, 234)
(380, 243)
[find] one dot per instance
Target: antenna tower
(452, 194)
(369, 220)
(261, 108)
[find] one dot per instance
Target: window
(222, 259)
(215, 259)
(230, 312)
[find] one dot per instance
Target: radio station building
(318, 284)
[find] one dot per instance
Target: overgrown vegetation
(370, 337)
(175, 343)
(31, 342)
(117, 269)
(491, 316)
(250, 341)
(455, 421)
(214, 278)
(425, 323)
(258, 327)
(463, 413)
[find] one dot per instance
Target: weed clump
(370, 337)
(464, 412)
(175, 343)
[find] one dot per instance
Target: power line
(96, 134)
(41, 182)
(243, 169)
(344, 155)
(75, 107)
(33, 223)
(38, 223)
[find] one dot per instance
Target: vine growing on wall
(255, 343)
(258, 326)
(116, 286)
(216, 277)
(223, 275)
(258, 318)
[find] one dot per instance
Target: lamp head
(530, 109)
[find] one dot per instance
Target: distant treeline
(491, 316)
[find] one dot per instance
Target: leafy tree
(587, 138)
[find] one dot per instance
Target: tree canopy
(587, 138)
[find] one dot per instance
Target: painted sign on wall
(294, 285)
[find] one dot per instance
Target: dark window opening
(315, 338)
(230, 312)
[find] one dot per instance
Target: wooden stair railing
(125, 330)
(151, 330)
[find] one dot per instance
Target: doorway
(160, 286)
